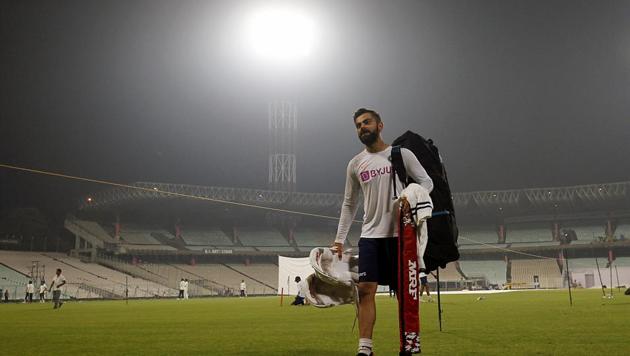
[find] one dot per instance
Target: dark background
(515, 93)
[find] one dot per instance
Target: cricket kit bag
(442, 227)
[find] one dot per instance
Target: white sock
(364, 344)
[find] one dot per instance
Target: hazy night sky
(515, 93)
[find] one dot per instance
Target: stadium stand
(84, 280)
(481, 247)
(623, 230)
(493, 271)
(450, 273)
(88, 230)
(477, 233)
(547, 270)
(534, 243)
(162, 274)
(260, 237)
(138, 236)
(138, 288)
(210, 237)
(588, 233)
(264, 272)
(228, 277)
(450, 277)
(528, 233)
(13, 281)
(584, 271)
(308, 239)
(232, 248)
(145, 248)
(275, 248)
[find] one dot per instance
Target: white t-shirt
(57, 280)
(302, 286)
(186, 285)
(30, 288)
(182, 285)
(371, 174)
(243, 286)
(42, 288)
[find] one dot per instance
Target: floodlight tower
(281, 36)
(282, 133)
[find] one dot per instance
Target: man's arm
(415, 170)
(63, 281)
(348, 208)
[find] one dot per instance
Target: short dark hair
(362, 111)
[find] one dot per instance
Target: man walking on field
(370, 173)
(243, 289)
(57, 282)
(43, 288)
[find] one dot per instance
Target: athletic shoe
(365, 351)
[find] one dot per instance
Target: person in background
(43, 288)
(299, 298)
(57, 282)
(243, 289)
(182, 286)
(30, 289)
(424, 285)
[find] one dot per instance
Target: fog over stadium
(516, 94)
(184, 177)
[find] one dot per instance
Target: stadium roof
(514, 202)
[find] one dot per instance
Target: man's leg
(367, 311)
(56, 295)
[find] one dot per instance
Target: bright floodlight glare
(280, 33)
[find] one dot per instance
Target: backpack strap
(398, 167)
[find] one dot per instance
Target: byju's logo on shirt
(367, 175)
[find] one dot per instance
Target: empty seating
(473, 235)
(84, 280)
(227, 277)
(261, 237)
(264, 272)
(450, 273)
(590, 232)
(534, 244)
(524, 273)
(144, 247)
(276, 248)
(313, 237)
(528, 233)
(138, 236)
(494, 271)
(623, 230)
(12, 281)
(210, 237)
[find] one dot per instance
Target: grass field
(519, 323)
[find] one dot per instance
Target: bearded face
(368, 136)
(368, 129)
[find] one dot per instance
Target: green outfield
(518, 323)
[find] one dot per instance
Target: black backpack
(441, 227)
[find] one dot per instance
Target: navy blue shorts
(378, 259)
(424, 281)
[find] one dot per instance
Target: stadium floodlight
(280, 33)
